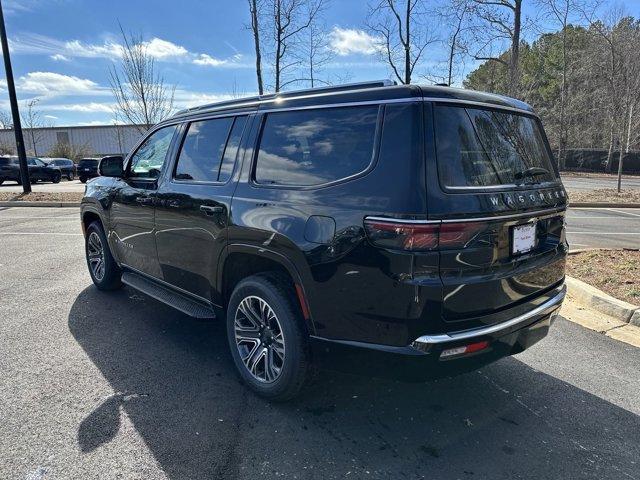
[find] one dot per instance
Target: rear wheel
(103, 269)
(56, 178)
(70, 177)
(267, 337)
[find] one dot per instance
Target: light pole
(22, 155)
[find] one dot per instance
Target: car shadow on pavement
(174, 378)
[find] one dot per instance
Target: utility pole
(22, 155)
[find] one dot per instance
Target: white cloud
(204, 59)
(89, 107)
(76, 48)
(348, 41)
(59, 58)
(50, 84)
(159, 48)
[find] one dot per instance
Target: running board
(166, 295)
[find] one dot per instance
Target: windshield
(486, 148)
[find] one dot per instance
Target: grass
(616, 272)
(41, 197)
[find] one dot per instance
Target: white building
(100, 140)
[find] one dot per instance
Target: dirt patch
(616, 272)
(604, 195)
(41, 197)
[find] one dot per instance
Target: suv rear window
(313, 147)
(88, 162)
(8, 161)
(485, 148)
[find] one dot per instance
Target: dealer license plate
(523, 238)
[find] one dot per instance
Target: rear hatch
(88, 165)
(499, 197)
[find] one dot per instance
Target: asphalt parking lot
(116, 385)
(597, 181)
(603, 227)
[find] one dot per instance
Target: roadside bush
(7, 149)
(594, 160)
(71, 151)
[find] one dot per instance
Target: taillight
(417, 235)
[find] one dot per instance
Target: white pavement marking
(39, 233)
(626, 213)
(603, 233)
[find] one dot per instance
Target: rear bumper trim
(547, 307)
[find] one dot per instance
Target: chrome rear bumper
(550, 307)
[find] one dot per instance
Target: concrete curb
(602, 302)
(602, 205)
(39, 204)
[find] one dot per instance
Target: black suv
(66, 166)
(38, 170)
(88, 168)
(403, 230)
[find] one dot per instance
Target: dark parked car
(66, 166)
(88, 168)
(38, 170)
(397, 230)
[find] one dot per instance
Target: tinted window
(148, 160)
(230, 153)
(480, 148)
(88, 162)
(318, 146)
(31, 161)
(202, 150)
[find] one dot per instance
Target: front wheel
(103, 269)
(56, 178)
(267, 337)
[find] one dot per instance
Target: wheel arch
(242, 260)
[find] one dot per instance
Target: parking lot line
(603, 233)
(626, 213)
(41, 233)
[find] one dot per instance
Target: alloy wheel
(259, 339)
(95, 253)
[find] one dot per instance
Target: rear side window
(203, 156)
(313, 147)
(485, 148)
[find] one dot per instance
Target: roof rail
(328, 88)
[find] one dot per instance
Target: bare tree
(254, 9)
(315, 54)
(455, 15)
(5, 120)
(403, 38)
(290, 19)
(501, 20)
(32, 121)
(142, 98)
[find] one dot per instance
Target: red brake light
(416, 235)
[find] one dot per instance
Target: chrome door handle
(144, 200)
(209, 210)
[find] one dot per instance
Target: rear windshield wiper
(531, 172)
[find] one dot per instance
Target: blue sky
(62, 50)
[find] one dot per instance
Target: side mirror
(112, 166)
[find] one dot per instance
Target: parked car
(66, 166)
(88, 168)
(38, 170)
(408, 231)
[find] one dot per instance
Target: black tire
(294, 369)
(70, 177)
(83, 180)
(111, 277)
(1, 181)
(56, 178)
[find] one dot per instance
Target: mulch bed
(41, 197)
(604, 195)
(616, 272)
